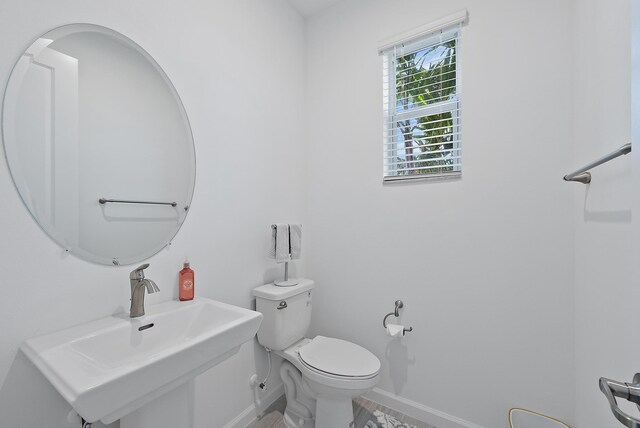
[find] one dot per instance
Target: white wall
(238, 68)
(483, 264)
(602, 213)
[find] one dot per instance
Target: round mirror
(98, 144)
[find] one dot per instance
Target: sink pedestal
(171, 410)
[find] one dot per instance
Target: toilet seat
(338, 358)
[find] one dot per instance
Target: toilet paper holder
(396, 313)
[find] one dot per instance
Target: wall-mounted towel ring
(396, 313)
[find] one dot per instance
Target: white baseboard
(418, 411)
(248, 415)
(410, 408)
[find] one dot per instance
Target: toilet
(322, 375)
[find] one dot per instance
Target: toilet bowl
(332, 373)
(321, 375)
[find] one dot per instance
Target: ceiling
(310, 7)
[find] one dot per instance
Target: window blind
(422, 114)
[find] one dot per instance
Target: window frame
(439, 32)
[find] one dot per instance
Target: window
(422, 116)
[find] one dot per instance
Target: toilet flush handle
(282, 305)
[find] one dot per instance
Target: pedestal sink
(114, 366)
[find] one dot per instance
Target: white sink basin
(109, 367)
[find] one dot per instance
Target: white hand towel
(295, 238)
(272, 243)
(280, 243)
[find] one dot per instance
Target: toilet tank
(287, 313)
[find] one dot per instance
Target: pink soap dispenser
(185, 282)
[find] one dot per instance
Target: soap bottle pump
(185, 282)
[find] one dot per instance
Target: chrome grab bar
(630, 392)
(583, 176)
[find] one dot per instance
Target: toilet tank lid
(274, 292)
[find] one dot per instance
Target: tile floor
(363, 410)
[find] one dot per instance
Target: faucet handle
(138, 273)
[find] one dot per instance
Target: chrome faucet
(138, 284)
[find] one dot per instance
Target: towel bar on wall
(122, 201)
(584, 177)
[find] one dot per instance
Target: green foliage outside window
(425, 78)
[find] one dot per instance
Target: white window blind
(422, 114)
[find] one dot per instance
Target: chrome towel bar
(120, 201)
(583, 176)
